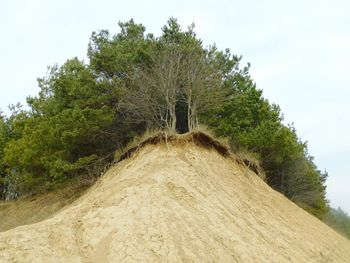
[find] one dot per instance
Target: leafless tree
(153, 92)
(202, 83)
(176, 75)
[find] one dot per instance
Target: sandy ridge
(177, 203)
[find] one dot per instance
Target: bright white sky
(299, 51)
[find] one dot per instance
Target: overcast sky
(299, 51)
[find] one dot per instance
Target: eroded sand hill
(177, 203)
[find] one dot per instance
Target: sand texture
(177, 203)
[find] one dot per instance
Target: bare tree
(202, 83)
(153, 95)
(186, 76)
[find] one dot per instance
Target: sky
(299, 53)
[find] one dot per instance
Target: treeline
(135, 82)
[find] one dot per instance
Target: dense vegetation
(134, 82)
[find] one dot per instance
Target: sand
(177, 203)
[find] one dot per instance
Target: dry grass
(251, 161)
(29, 210)
(137, 141)
(201, 136)
(168, 137)
(206, 130)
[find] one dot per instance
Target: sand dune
(177, 203)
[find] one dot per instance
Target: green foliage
(3, 134)
(3, 141)
(134, 82)
(70, 124)
(115, 57)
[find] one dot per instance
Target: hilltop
(178, 199)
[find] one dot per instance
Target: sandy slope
(177, 204)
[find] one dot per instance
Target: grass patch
(33, 209)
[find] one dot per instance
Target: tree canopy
(133, 82)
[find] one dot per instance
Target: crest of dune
(177, 200)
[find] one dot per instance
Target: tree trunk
(189, 109)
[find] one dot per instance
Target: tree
(4, 137)
(202, 87)
(181, 80)
(114, 57)
(152, 96)
(68, 127)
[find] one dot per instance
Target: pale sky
(299, 51)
